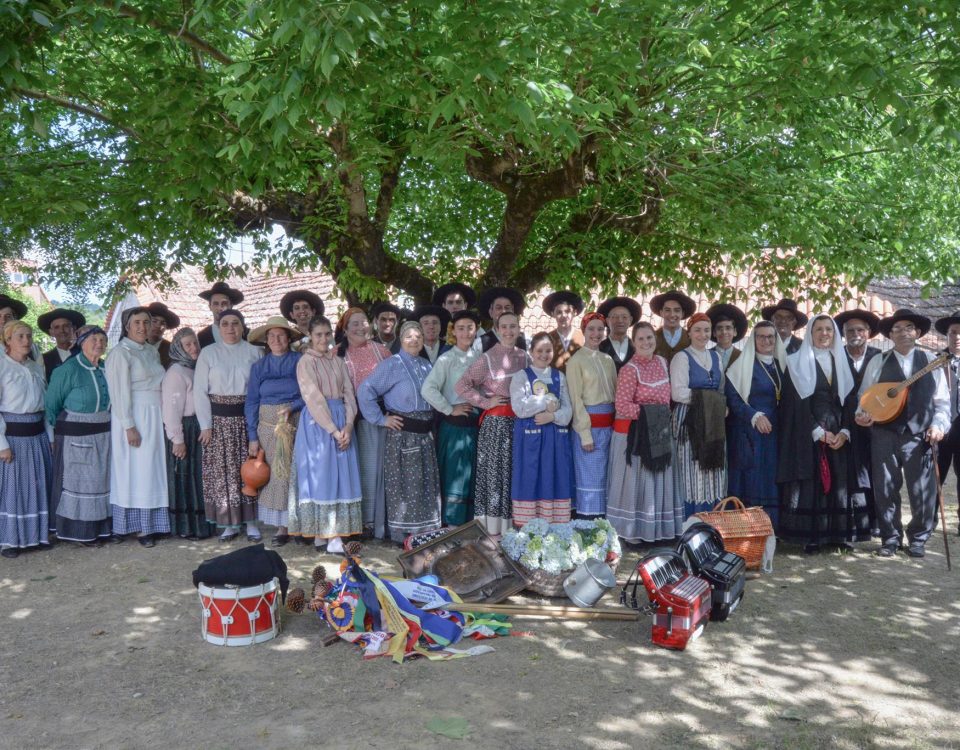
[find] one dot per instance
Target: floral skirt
(222, 458)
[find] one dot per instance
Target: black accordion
(702, 545)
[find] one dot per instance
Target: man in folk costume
(620, 313)
(220, 298)
(900, 449)
(729, 327)
(61, 324)
(949, 450)
(563, 307)
(434, 321)
(786, 318)
(386, 316)
(672, 307)
(300, 307)
(858, 327)
(453, 298)
(493, 303)
(162, 319)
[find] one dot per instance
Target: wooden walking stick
(943, 515)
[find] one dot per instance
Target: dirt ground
(102, 649)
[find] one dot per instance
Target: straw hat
(259, 335)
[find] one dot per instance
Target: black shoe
(916, 550)
(847, 547)
(887, 550)
(114, 539)
(229, 538)
(10, 553)
(299, 541)
(94, 543)
(146, 541)
(279, 540)
(811, 549)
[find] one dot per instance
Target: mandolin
(885, 401)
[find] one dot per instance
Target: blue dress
(751, 455)
(541, 481)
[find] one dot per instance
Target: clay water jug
(255, 473)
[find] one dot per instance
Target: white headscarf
(740, 373)
(802, 364)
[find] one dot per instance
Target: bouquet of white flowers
(557, 548)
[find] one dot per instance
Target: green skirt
(456, 456)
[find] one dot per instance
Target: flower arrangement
(557, 547)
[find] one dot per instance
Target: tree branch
(188, 38)
(76, 107)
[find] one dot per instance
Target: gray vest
(918, 414)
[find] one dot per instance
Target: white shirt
(620, 347)
(672, 337)
(131, 367)
(22, 387)
(222, 370)
(439, 389)
(432, 351)
(64, 354)
(941, 396)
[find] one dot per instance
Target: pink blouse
(363, 360)
(490, 374)
(322, 377)
(641, 382)
(176, 400)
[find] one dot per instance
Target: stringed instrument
(885, 401)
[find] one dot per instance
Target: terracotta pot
(255, 473)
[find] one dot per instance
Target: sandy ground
(102, 649)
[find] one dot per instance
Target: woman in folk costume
(541, 439)
(817, 508)
(486, 385)
(592, 383)
(641, 504)
(411, 478)
(754, 389)
(328, 473)
(188, 515)
(25, 461)
(458, 428)
(699, 420)
(361, 355)
(78, 406)
(273, 399)
(219, 394)
(138, 476)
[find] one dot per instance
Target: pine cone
(321, 589)
(296, 600)
(319, 574)
(353, 548)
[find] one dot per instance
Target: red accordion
(680, 602)
(725, 571)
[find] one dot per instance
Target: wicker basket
(744, 530)
(551, 584)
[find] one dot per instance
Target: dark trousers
(948, 454)
(895, 458)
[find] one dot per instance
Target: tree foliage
(627, 142)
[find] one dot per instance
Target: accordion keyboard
(690, 588)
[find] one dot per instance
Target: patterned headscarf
(591, 316)
(179, 355)
(698, 318)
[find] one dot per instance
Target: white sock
(228, 532)
(252, 529)
(335, 545)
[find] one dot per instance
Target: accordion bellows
(680, 602)
(702, 546)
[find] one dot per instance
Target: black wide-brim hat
(922, 322)
(686, 303)
(859, 314)
(489, 295)
(221, 287)
(381, 307)
(788, 305)
(440, 312)
(287, 300)
(734, 313)
(943, 324)
(46, 320)
(160, 310)
(563, 297)
(19, 309)
(469, 296)
(631, 304)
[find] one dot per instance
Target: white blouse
(526, 403)
(22, 387)
(222, 370)
(131, 367)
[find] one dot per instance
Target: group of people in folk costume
(406, 421)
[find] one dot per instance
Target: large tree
(519, 142)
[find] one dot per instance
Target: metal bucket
(589, 582)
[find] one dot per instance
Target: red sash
(601, 420)
(622, 425)
(504, 410)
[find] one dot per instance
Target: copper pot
(255, 473)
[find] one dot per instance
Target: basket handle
(735, 501)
